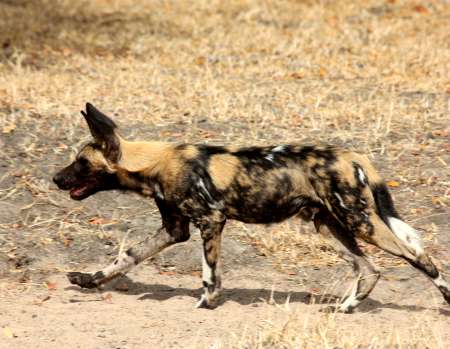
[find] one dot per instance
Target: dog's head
(93, 168)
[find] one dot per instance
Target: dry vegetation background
(369, 75)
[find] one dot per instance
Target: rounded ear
(103, 130)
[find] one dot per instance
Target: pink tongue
(78, 191)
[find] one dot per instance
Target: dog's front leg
(175, 229)
(125, 261)
(211, 234)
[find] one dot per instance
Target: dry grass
(331, 331)
(370, 75)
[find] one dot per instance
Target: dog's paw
(447, 297)
(203, 303)
(446, 293)
(84, 280)
(336, 309)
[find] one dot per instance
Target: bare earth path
(155, 308)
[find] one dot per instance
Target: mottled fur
(206, 185)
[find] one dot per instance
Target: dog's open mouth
(83, 190)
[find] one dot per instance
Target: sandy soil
(368, 75)
(153, 307)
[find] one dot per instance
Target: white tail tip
(407, 234)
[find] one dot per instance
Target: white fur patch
(206, 271)
(361, 176)
(122, 264)
(269, 157)
(203, 190)
(202, 186)
(341, 202)
(351, 301)
(279, 149)
(216, 205)
(407, 234)
(159, 192)
(440, 282)
(202, 301)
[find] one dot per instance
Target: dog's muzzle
(61, 182)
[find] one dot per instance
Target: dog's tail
(385, 207)
(387, 212)
(383, 202)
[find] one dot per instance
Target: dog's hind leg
(345, 245)
(402, 240)
(174, 230)
(212, 235)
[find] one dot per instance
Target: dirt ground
(372, 76)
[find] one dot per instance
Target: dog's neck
(150, 158)
(142, 164)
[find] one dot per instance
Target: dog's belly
(266, 210)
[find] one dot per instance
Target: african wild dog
(338, 190)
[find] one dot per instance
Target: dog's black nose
(57, 179)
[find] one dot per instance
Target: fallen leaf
(97, 221)
(297, 75)
(437, 201)
(62, 146)
(440, 133)
(107, 297)
(393, 184)
(205, 133)
(315, 291)
(420, 9)
(51, 286)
